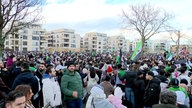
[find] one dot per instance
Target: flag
(92, 54)
(137, 52)
(188, 66)
(118, 57)
(169, 56)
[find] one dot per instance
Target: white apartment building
(94, 41)
(159, 46)
(115, 43)
(152, 46)
(63, 40)
(30, 38)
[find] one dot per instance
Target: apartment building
(63, 40)
(29, 38)
(94, 41)
(159, 46)
(115, 43)
(152, 46)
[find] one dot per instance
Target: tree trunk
(1, 44)
(143, 42)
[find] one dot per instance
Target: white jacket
(51, 92)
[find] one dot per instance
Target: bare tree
(17, 14)
(176, 37)
(146, 20)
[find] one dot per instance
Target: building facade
(95, 42)
(30, 38)
(115, 43)
(63, 40)
(152, 46)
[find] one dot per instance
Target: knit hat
(109, 69)
(70, 63)
(150, 73)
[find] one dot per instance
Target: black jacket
(152, 92)
(26, 77)
(139, 91)
(130, 77)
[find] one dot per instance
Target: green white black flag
(137, 52)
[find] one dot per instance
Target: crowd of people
(94, 80)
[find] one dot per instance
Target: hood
(46, 76)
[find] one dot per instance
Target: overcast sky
(104, 16)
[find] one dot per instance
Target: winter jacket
(26, 77)
(139, 91)
(71, 82)
(152, 92)
(130, 77)
(51, 91)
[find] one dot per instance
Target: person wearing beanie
(152, 90)
(72, 87)
(139, 89)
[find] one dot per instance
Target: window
(35, 44)
(35, 38)
(24, 49)
(25, 31)
(73, 46)
(72, 41)
(66, 45)
(24, 42)
(25, 37)
(72, 36)
(66, 40)
(35, 49)
(7, 42)
(36, 32)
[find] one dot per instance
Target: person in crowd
(15, 99)
(71, 87)
(130, 77)
(116, 99)
(10, 61)
(27, 91)
(139, 89)
(27, 77)
(59, 72)
(51, 88)
(108, 87)
(184, 75)
(5, 75)
(4, 90)
(97, 99)
(16, 71)
(92, 79)
(163, 79)
(152, 90)
(168, 99)
(181, 92)
(39, 74)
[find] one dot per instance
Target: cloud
(104, 15)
